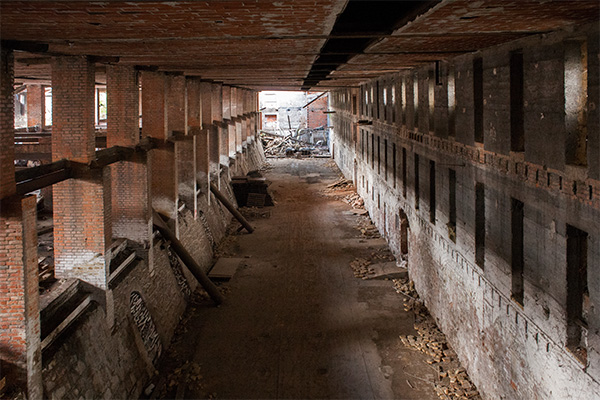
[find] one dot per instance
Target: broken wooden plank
(225, 268)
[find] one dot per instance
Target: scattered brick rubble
(344, 190)
(453, 381)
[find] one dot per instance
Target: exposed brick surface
(7, 146)
(73, 135)
(154, 111)
(176, 104)
(194, 105)
(508, 349)
(83, 228)
(316, 117)
(122, 127)
(35, 106)
(19, 309)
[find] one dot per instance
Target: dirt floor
(299, 321)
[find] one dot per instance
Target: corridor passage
(296, 322)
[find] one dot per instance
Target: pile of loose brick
(361, 268)
(453, 381)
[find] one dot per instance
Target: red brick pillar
(130, 189)
(163, 171)
(20, 345)
(194, 123)
(215, 136)
(7, 123)
(35, 107)
(82, 207)
(177, 102)
(203, 140)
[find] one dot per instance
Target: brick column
(163, 171)
(194, 123)
(35, 107)
(203, 140)
(177, 102)
(215, 135)
(20, 345)
(82, 223)
(130, 191)
(7, 123)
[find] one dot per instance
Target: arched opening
(403, 233)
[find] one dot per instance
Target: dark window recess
(394, 164)
(404, 183)
(378, 155)
(478, 99)
(385, 159)
(417, 182)
(373, 150)
(432, 204)
(403, 233)
(403, 100)
(517, 260)
(377, 101)
(517, 133)
(480, 224)
(578, 300)
(354, 106)
(452, 204)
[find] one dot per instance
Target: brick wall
(316, 117)
(7, 147)
(82, 207)
(20, 355)
(122, 126)
(511, 351)
(129, 194)
(73, 109)
(35, 106)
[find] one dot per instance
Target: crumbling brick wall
(513, 348)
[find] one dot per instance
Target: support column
(20, 344)
(163, 171)
(35, 107)
(215, 136)
(7, 124)
(131, 212)
(82, 206)
(20, 351)
(203, 140)
(194, 122)
(177, 104)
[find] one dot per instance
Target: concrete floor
(296, 322)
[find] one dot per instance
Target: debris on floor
(251, 213)
(287, 146)
(367, 228)
(452, 381)
(361, 268)
(343, 189)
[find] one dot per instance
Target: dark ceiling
(264, 44)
